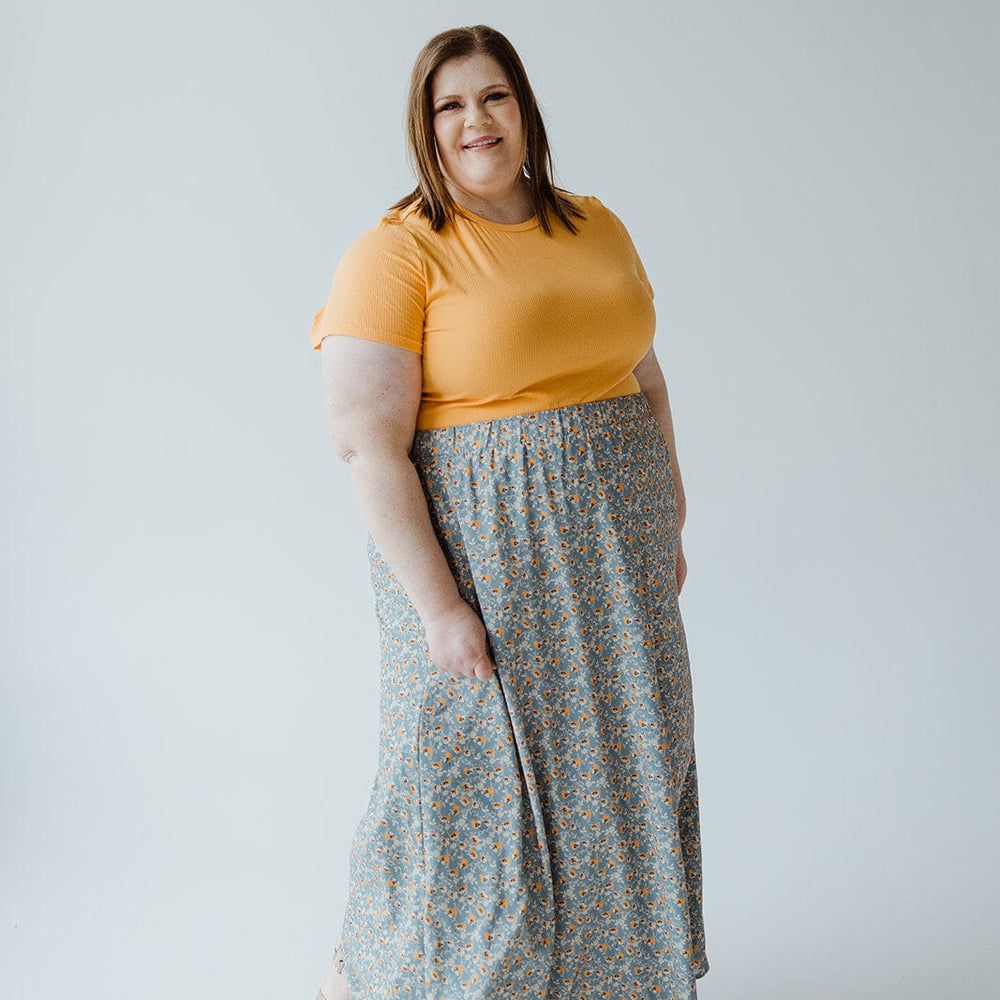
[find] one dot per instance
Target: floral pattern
(537, 834)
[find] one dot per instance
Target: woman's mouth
(485, 143)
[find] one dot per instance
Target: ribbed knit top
(507, 319)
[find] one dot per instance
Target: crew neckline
(509, 227)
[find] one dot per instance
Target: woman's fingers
(483, 669)
(457, 643)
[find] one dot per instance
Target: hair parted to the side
(431, 193)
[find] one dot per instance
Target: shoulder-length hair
(431, 193)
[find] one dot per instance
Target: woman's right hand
(456, 640)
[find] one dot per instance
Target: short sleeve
(378, 292)
(639, 269)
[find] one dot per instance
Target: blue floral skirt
(537, 834)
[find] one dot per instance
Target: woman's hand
(682, 566)
(456, 639)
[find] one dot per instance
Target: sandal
(335, 985)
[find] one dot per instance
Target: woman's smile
(488, 142)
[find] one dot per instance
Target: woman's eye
(496, 95)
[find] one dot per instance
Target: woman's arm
(654, 385)
(372, 393)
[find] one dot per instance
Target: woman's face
(477, 125)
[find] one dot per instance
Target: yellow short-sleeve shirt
(506, 318)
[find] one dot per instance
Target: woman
(490, 380)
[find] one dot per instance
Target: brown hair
(431, 194)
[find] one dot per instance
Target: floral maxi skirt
(537, 834)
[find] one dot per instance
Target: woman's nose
(476, 116)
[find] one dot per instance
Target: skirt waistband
(513, 434)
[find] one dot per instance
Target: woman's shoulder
(391, 233)
(582, 201)
(591, 206)
(407, 215)
(598, 217)
(385, 251)
(399, 231)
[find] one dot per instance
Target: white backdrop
(187, 724)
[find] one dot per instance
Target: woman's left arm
(651, 381)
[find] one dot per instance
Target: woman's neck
(514, 207)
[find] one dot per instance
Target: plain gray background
(188, 644)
